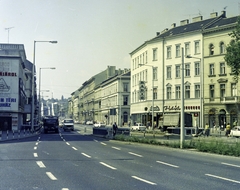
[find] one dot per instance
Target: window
(197, 68)
(143, 58)
(146, 56)
(222, 68)
(211, 49)
(178, 92)
(154, 73)
(125, 87)
(154, 93)
(178, 51)
(169, 73)
(187, 70)
(187, 49)
(187, 92)
(222, 90)
(211, 72)
(178, 71)
(211, 90)
(222, 47)
(197, 47)
(125, 100)
(169, 52)
(233, 89)
(197, 91)
(169, 92)
(155, 54)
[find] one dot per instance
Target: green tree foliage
(232, 56)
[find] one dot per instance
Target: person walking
(207, 130)
(115, 127)
(228, 129)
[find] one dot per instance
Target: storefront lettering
(5, 105)
(6, 102)
(8, 74)
(172, 108)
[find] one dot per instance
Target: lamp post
(152, 93)
(33, 81)
(39, 91)
(201, 88)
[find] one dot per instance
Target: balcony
(230, 99)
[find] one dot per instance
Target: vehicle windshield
(68, 121)
(50, 120)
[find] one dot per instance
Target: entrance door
(5, 123)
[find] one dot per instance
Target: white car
(235, 132)
(99, 124)
(68, 124)
(138, 127)
(89, 123)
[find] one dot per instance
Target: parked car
(99, 124)
(68, 124)
(138, 127)
(235, 132)
(89, 123)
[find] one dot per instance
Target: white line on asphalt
(167, 164)
(135, 154)
(35, 148)
(40, 164)
(86, 155)
(107, 165)
(65, 189)
(146, 181)
(103, 143)
(116, 148)
(95, 140)
(230, 165)
(74, 148)
(67, 143)
(36, 144)
(35, 155)
(51, 176)
(223, 178)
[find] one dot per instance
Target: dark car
(50, 123)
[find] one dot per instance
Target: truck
(50, 123)
(173, 121)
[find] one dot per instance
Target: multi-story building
(15, 87)
(156, 68)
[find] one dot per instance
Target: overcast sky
(92, 34)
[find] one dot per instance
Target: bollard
(7, 134)
(0, 135)
(13, 134)
(18, 134)
(85, 130)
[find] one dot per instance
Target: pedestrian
(115, 127)
(207, 130)
(228, 129)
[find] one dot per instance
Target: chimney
(184, 22)
(198, 18)
(165, 30)
(158, 33)
(213, 15)
(223, 14)
(173, 25)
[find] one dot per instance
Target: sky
(92, 34)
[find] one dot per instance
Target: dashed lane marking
(135, 154)
(107, 165)
(74, 148)
(144, 180)
(51, 176)
(116, 148)
(40, 164)
(103, 143)
(167, 164)
(35, 155)
(223, 178)
(86, 155)
(67, 143)
(35, 148)
(230, 165)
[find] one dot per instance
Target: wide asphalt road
(76, 160)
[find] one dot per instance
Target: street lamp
(39, 90)
(201, 88)
(33, 81)
(152, 93)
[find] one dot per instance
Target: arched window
(211, 49)
(222, 47)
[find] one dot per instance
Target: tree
(232, 56)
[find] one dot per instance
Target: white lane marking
(230, 165)
(144, 180)
(107, 165)
(35, 155)
(223, 178)
(36, 143)
(40, 164)
(67, 143)
(65, 189)
(74, 148)
(103, 143)
(167, 164)
(135, 154)
(95, 140)
(86, 155)
(116, 148)
(35, 148)
(51, 176)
